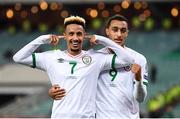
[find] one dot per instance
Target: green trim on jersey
(34, 60)
(145, 83)
(113, 71)
(113, 62)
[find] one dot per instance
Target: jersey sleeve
(27, 57)
(107, 61)
(122, 54)
(140, 87)
(110, 61)
(39, 61)
(145, 73)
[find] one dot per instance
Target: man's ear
(107, 32)
(64, 36)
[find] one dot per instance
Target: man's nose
(75, 37)
(119, 33)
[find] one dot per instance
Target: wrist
(138, 77)
(138, 83)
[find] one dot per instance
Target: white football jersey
(78, 75)
(115, 90)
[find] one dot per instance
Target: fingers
(136, 69)
(61, 36)
(59, 91)
(56, 93)
(54, 87)
(54, 39)
(87, 36)
(59, 94)
(92, 39)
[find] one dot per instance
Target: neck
(74, 53)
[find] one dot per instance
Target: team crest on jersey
(127, 68)
(86, 60)
(60, 60)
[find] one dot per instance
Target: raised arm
(118, 50)
(26, 55)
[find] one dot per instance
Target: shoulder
(50, 53)
(96, 52)
(98, 55)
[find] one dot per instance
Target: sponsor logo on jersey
(71, 77)
(112, 85)
(127, 68)
(86, 60)
(60, 60)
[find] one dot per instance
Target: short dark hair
(115, 17)
(74, 20)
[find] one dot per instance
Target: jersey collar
(76, 56)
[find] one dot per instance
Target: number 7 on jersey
(73, 66)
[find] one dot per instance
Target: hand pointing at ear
(54, 39)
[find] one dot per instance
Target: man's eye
(123, 30)
(115, 30)
(79, 34)
(70, 34)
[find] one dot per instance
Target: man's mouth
(118, 40)
(75, 44)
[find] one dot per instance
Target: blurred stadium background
(154, 32)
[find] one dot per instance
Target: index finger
(87, 36)
(61, 36)
(56, 86)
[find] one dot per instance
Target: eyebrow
(79, 32)
(119, 28)
(71, 32)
